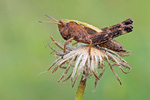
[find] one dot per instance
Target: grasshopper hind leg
(113, 45)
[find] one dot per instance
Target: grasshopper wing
(101, 37)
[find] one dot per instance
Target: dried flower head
(79, 59)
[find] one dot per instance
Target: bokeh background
(23, 54)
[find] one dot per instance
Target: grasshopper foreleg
(66, 42)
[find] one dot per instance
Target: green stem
(81, 89)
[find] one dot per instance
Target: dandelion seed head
(81, 62)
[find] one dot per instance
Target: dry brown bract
(82, 63)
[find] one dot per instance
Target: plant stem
(81, 89)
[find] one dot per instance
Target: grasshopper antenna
(57, 22)
(51, 18)
(48, 22)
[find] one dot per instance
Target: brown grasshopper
(89, 34)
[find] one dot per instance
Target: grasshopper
(89, 34)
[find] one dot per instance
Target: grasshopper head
(61, 25)
(63, 29)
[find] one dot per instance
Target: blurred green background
(23, 54)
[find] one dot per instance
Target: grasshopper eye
(63, 23)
